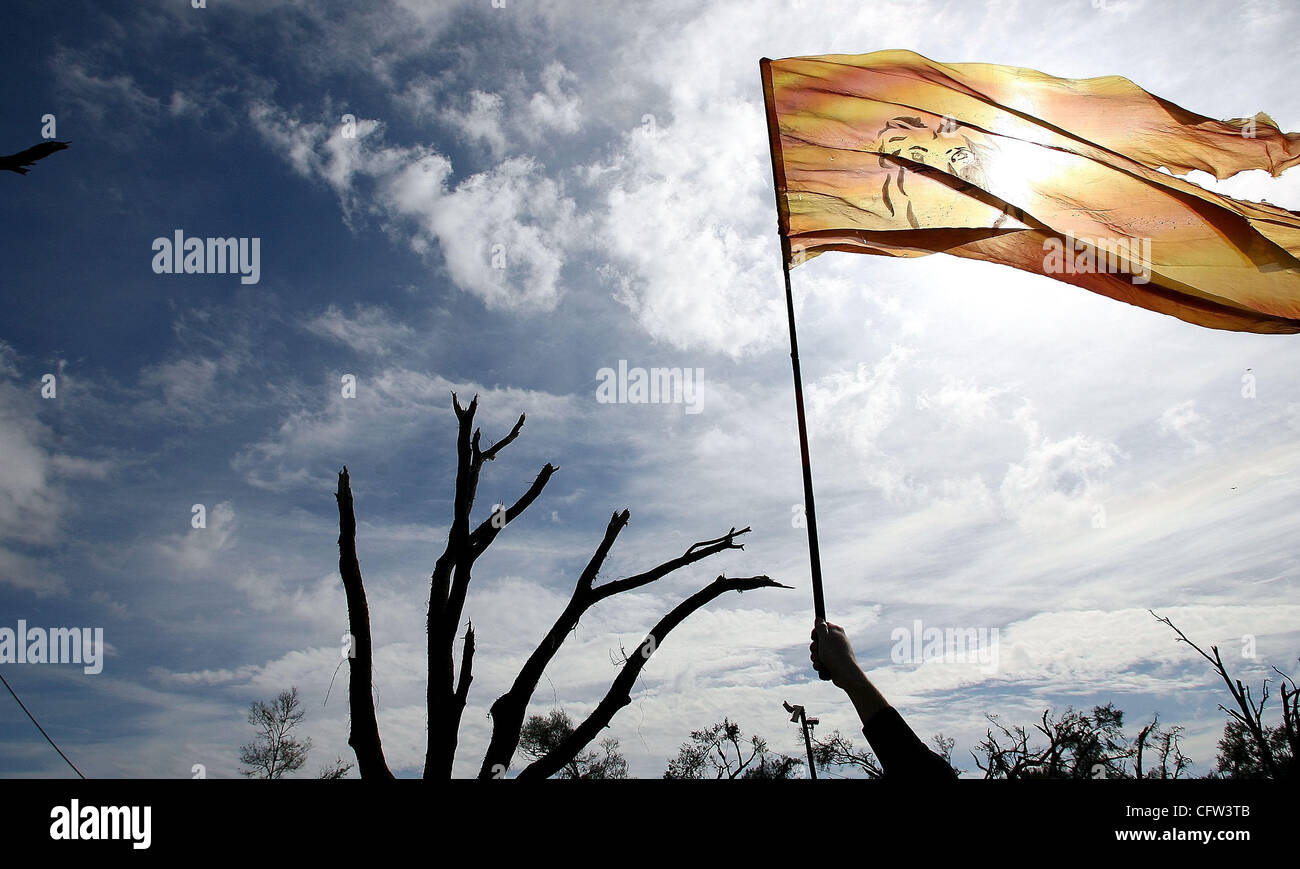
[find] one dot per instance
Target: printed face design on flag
(1079, 180)
(946, 146)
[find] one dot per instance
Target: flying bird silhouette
(16, 162)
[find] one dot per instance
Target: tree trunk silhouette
(364, 735)
(445, 698)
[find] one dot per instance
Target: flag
(891, 153)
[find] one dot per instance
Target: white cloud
(965, 405)
(184, 382)
(552, 109)
(204, 677)
(318, 603)
(1183, 422)
(1127, 650)
(31, 504)
(368, 330)
(1059, 484)
(34, 498)
(503, 233)
(686, 254)
(858, 406)
(191, 552)
(483, 121)
(99, 97)
(30, 574)
(393, 407)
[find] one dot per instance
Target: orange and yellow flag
(891, 153)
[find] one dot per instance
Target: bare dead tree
(1249, 714)
(448, 688)
(1079, 745)
(1006, 761)
(1167, 744)
(838, 751)
(943, 746)
(335, 771)
(1139, 748)
(1291, 719)
(720, 750)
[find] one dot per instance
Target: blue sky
(969, 423)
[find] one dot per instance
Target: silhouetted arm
(902, 755)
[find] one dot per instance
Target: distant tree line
(1072, 744)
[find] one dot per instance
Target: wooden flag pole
(810, 511)
(783, 227)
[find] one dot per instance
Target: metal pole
(798, 713)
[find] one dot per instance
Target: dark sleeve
(902, 755)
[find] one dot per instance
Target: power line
(38, 725)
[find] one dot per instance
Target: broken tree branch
(620, 692)
(696, 552)
(466, 669)
(509, 709)
(491, 453)
(490, 527)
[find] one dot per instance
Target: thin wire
(38, 725)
